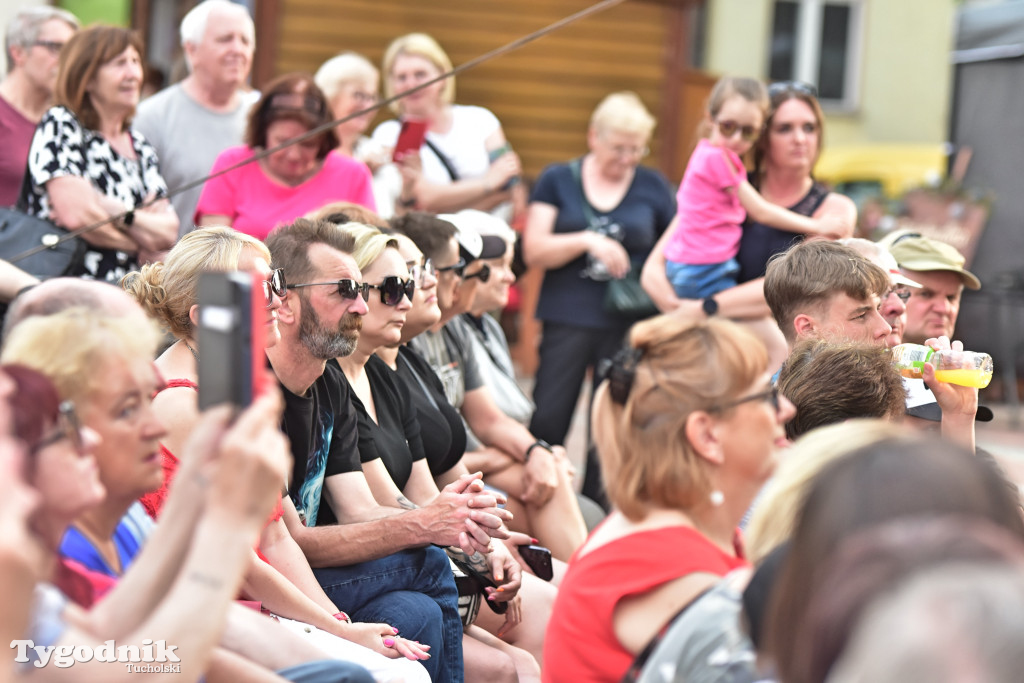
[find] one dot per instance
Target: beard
(325, 343)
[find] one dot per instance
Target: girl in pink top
(715, 196)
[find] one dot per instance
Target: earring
(717, 498)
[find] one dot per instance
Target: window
(818, 42)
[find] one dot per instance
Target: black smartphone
(539, 560)
(229, 338)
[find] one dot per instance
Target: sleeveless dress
(760, 242)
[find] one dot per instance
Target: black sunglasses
(782, 87)
(484, 273)
(347, 288)
(393, 288)
(68, 427)
(771, 395)
(459, 267)
(275, 285)
(729, 128)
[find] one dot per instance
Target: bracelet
(341, 616)
(126, 221)
(539, 443)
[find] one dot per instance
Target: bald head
(60, 293)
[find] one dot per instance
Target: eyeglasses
(419, 272)
(631, 152)
(275, 285)
(68, 427)
(729, 128)
(902, 291)
(458, 268)
(772, 396)
(784, 87)
(364, 98)
(484, 273)
(393, 288)
(52, 45)
(347, 288)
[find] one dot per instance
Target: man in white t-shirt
(192, 122)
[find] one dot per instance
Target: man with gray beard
(377, 562)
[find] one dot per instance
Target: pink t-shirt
(256, 204)
(15, 138)
(710, 219)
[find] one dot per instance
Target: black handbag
(54, 254)
(623, 297)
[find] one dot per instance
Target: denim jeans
(414, 591)
(326, 671)
(701, 281)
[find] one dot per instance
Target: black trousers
(566, 353)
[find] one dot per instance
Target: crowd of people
(764, 497)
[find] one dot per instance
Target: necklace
(193, 351)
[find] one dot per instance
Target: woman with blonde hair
(466, 161)
(687, 425)
(590, 220)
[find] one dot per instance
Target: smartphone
(410, 138)
(539, 560)
(232, 331)
(496, 153)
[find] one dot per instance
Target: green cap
(916, 252)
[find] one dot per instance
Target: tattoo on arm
(406, 504)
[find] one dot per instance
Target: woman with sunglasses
(687, 425)
(784, 159)
(279, 576)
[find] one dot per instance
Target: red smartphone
(410, 138)
(232, 336)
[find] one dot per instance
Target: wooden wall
(543, 93)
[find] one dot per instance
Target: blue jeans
(701, 281)
(326, 671)
(414, 591)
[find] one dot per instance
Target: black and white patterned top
(63, 147)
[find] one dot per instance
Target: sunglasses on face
(457, 268)
(484, 273)
(729, 128)
(420, 272)
(276, 285)
(347, 288)
(68, 427)
(771, 395)
(393, 288)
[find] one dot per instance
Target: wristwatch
(539, 443)
(710, 306)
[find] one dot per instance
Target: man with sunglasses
(377, 561)
(34, 39)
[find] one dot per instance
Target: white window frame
(806, 57)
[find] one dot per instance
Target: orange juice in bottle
(965, 368)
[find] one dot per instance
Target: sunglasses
(458, 268)
(347, 288)
(275, 285)
(771, 395)
(420, 272)
(729, 128)
(785, 87)
(484, 273)
(902, 291)
(393, 288)
(68, 427)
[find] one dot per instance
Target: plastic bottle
(966, 368)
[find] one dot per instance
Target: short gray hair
(24, 28)
(345, 68)
(193, 26)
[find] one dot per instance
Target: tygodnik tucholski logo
(151, 657)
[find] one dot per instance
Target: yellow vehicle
(881, 170)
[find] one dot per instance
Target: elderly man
(192, 122)
(33, 42)
(939, 267)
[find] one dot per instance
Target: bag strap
(445, 161)
(576, 166)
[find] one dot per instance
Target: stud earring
(717, 498)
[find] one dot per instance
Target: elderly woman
(259, 196)
(90, 453)
(279, 576)
(466, 161)
(630, 206)
(87, 165)
(687, 425)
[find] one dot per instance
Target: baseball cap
(921, 403)
(914, 251)
(480, 235)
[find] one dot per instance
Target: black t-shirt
(322, 429)
(441, 429)
(760, 242)
(644, 212)
(395, 437)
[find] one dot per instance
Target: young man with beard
(376, 561)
